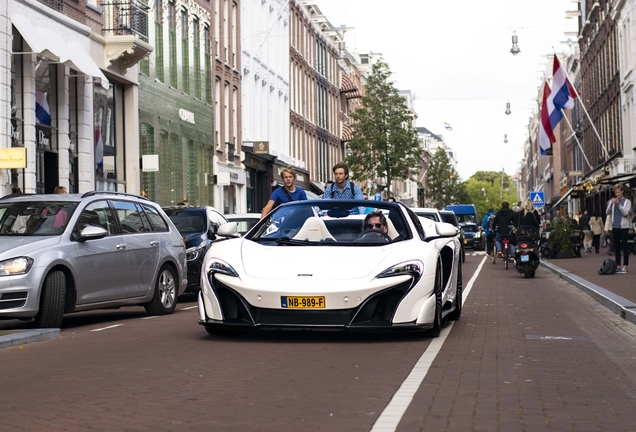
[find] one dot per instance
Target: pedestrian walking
(584, 224)
(596, 226)
(619, 210)
(286, 193)
(343, 188)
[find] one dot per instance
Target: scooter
(526, 255)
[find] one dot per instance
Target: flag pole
(578, 96)
(577, 141)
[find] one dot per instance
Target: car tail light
(523, 245)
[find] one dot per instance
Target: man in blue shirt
(287, 193)
(343, 188)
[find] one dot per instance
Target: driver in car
(375, 227)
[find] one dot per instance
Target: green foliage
(490, 181)
(443, 182)
(384, 143)
(560, 239)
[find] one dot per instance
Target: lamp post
(484, 191)
(515, 47)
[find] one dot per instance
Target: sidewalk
(617, 292)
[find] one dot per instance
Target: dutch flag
(42, 110)
(447, 127)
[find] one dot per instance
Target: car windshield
(188, 221)
(30, 218)
(466, 218)
(470, 228)
(333, 222)
(244, 224)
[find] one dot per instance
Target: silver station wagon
(67, 253)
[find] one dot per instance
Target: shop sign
(150, 163)
(186, 116)
(14, 157)
(261, 147)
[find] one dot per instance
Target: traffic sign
(537, 198)
(377, 197)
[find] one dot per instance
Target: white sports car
(333, 264)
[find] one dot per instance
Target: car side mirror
(92, 233)
(444, 230)
(229, 229)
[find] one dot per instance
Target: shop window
(107, 134)
(185, 52)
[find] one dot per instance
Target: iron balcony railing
(126, 17)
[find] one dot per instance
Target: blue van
(465, 213)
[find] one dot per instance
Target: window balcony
(126, 31)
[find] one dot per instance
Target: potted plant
(561, 239)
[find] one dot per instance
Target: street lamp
(508, 112)
(505, 138)
(515, 47)
(484, 191)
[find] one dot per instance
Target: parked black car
(197, 226)
(474, 236)
(449, 216)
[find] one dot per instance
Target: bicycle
(505, 246)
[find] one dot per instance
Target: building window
(196, 52)
(185, 52)
(217, 113)
(208, 65)
(159, 65)
(106, 130)
(172, 43)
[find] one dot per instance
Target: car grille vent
(13, 300)
(380, 308)
(235, 310)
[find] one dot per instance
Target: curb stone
(24, 337)
(624, 308)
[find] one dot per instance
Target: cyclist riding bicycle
(488, 225)
(503, 220)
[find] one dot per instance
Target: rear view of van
(465, 213)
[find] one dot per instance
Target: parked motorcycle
(526, 252)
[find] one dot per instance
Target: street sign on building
(537, 198)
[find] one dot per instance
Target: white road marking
(106, 328)
(390, 418)
(191, 307)
(151, 317)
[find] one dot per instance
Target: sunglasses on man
(374, 226)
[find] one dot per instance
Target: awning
(565, 195)
(49, 44)
(36, 43)
(622, 178)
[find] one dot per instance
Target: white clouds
(455, 56)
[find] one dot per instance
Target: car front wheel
(165, 298)
(52, 301)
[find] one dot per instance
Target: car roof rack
(92, 193)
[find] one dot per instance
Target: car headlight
(216, 265)
(192, 254)
(413, 268)
(477, 234)
(15, 266)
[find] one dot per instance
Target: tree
(384, 143)
(485, 189)
(442, 180)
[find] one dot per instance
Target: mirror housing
(229, 229)
(92, 233)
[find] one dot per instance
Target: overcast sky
(455, 56)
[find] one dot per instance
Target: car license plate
(525, 258)
(303, 302)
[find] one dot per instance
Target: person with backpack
(619, 210)
(487, 224)
(343, 188)
(286, 193)
(503, 220)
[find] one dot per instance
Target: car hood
(322, 262)
(13, 246)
